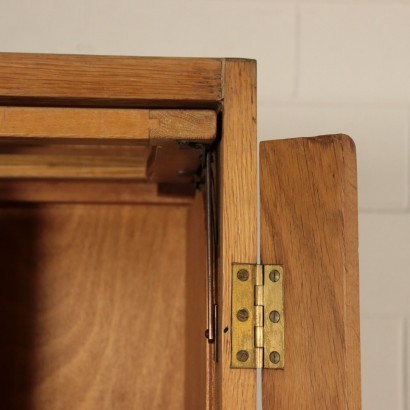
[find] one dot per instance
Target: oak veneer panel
(92, 307)
(309, 225)
(199, 361)
(236, 388)
(81, 79)
(104, 126)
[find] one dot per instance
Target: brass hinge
(257, 331)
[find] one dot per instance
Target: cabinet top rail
(87, 80)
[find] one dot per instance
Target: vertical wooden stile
(236, 388)
(309, 225)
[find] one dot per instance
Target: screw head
(243, 275)
(274, 275)
(274, 357)
(274, 316)
(242, 315)
(242, 355)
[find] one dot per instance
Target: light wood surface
(56, 161)
(199, 362)
(90, 191)
(73, 123)
(68, 166)
(103, 125)
(108, 80)
(236, 389)
(309, 225)
(92, 307)
(183, 125)
(44, 143)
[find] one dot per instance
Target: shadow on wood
(19, 261)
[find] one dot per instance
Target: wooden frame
(237, 218)
(87, 81)
(79, 80)
(216, 100)
(107, 125)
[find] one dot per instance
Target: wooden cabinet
(128, 190)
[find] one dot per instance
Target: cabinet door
(309, 225)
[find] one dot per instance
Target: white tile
(246, 29)
(355, 52)
(381, 136)
(384, 253)
(382, 363)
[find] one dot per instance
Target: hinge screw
(274, 316)
(242, 315)
(274, 275)
(242, 355)
(243, 275)
(274, 357)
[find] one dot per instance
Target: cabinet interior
(103, 269)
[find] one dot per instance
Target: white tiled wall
(383, 358)
(323, 67)
(355, 52)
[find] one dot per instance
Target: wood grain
(37, 160)
(171, 163)
(104, 126)
(44, 143)
(309, 225)
(68, 166)
(92, 307)
(199, 366)
(108, 80)
(52, 123)
(183, 125)
(88, 191)
(236, 388)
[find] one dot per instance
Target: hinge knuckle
(259, 318)
(259, 295)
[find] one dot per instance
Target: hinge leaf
(274, 323)
(257, 331)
